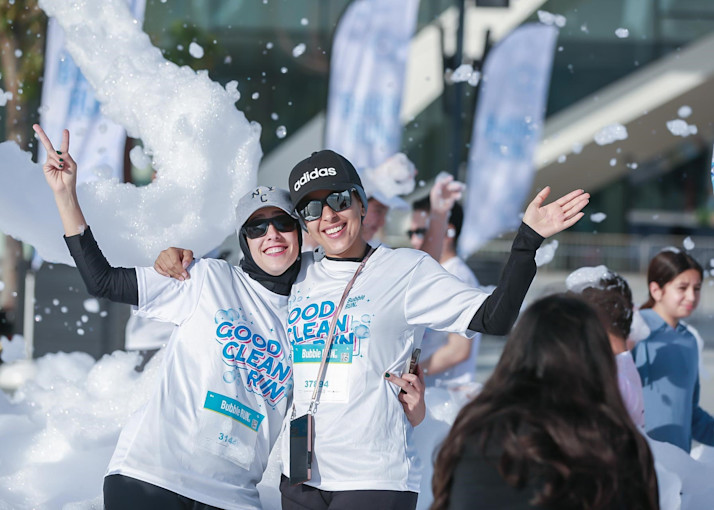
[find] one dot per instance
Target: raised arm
(101, 279)
(442, 196)
(500, 310)
(61, 174)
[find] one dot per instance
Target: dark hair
(456, 216)
(611, 298)
(553, 415)
(665, 267)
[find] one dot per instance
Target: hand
(173, 262)
(413, 397)
(444, 193)
(60, 169)
(557, 216)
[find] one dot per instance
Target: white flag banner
(68, 101)
(507, 129)
(368, 64)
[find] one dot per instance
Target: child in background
(610, 295)
(668, 359)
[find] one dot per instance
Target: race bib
(306, 364)
(229, 429)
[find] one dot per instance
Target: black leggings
(122, 492)
(304, 497)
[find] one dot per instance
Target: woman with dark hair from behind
(549, 429)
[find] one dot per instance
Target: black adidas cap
(323, 170)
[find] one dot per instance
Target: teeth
(274, 249)
(334, 230)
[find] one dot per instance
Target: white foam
(195, 50)
(610, 134)
(548, 18)
(585, 277)
(91, 305)
(139, 158)
(13, 350)
(545, 254)
(684, 111)
(299, 50)
(462, 73)
(598, 217)
(679, 127)
(205, 151)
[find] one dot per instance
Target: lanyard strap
(328, 343)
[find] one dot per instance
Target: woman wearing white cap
(363, 454)
(203, 439)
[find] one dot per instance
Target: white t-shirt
(464, 372)
(363, 440)
(628, 379)
(207, 431)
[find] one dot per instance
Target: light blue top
(668, 361)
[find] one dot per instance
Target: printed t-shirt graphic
(398, 294)
(224, 390)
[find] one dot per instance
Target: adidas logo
(315, 174)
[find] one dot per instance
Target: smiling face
(276, 251)
(678, 298)
(339, 233)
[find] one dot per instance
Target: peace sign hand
(60, 169)
(557, 216)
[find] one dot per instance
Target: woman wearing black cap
(203, 439)
(363, 454)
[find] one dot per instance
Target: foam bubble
(299, 50)
(610, 134)
(195, 50)
(548, 18)
(545, 254)
(598, 217)
(679, 127)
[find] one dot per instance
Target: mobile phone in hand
(413, 362)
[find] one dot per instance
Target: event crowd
(325, 339)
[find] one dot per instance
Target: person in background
(549, 429)
(382, 186)
(611, 297)
(668, 359)
(449, 359)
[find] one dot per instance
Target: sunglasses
(420, 232)
(258, 228)
(338, 201)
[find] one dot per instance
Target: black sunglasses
(259, 227)
(338, 201)
(421, 232)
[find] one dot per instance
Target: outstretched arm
(500, 310)
(102, 280)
